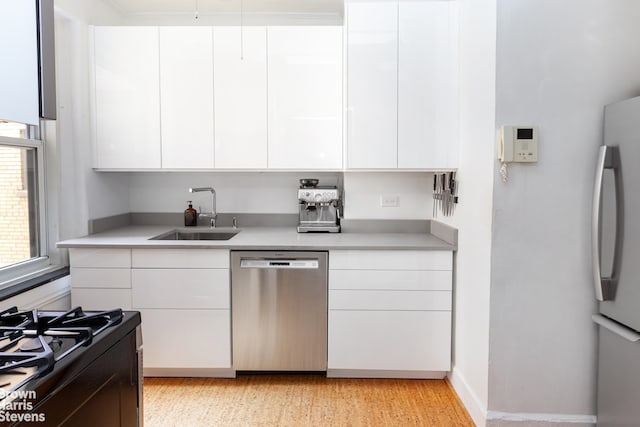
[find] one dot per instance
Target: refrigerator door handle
(608, 158)
(624, 332)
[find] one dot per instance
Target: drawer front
(435, 280)
(389, 300)
(100, 257)
(101, 299)
(390, 260)
(390, 340)
(101, 277)
(177, 288)
(206, 343)
(180, 258)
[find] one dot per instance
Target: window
(23, 246)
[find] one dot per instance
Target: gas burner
(34, 344)
(31, 342)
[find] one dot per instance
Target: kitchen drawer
(390, 260)
(177, 288)
(100, 257)
(389, 300)
(186, 338)
(101, 299)
(435, 280)
(389, 340)
(180, 258)
(100, 277)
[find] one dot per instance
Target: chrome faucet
(210, 215)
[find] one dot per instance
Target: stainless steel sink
(196, 235)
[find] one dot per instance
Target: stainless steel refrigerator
(616, 265)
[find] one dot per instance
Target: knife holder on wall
(445, 193)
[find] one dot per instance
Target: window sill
(48, 275)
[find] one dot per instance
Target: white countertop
(258, 238)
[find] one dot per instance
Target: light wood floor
(300, 400)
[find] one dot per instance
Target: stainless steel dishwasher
(279, 310)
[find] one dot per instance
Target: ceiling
(229, 6)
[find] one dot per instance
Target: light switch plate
(388, 201)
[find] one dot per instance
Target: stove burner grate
(31, 342)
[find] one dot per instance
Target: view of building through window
(17, 207)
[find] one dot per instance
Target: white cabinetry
(127, 97)
(401, 80)
(184, 298)
(100, 278)
(186, 97)
(240, 88)
(305, 97)
(372, 84)
(389, 313)
(427, 85)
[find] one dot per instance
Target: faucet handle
(235, 222)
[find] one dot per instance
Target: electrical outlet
(389, 201)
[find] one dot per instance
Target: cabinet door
(127, 97)
(427, 82)
(198, 288)
(186, 338)
(186, 92)
(240, 87)
(305, 97)
(101, 299)
(372, 79)
(389, 340)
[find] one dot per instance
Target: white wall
(55, 295)
(275, 192)
(255, 192)
(558, 64)
(473, 214)
(188, 19)
(85, 193)
(364, 189)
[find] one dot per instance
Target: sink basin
(196, 235)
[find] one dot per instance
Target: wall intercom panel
(518, 144)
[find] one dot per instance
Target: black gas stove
(70, 368)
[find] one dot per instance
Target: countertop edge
(253, 238)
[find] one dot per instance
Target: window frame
(17, 273)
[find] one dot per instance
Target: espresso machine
(319, 207)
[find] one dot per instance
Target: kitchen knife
(445, 195)
(435, 189)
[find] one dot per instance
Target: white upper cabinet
(305, 97)
(427, 85)
(127, 97)
(196, 98)
(372, 84)
(186, 97)
(240, 87)
(402, 84)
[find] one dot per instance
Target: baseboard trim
(477, 410)
(188, 372)
(542, 419)
(373, 373)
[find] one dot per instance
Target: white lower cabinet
(176, 341)
(100, 278)
(183, 296)
(389, 313)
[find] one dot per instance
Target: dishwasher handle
(300, 264)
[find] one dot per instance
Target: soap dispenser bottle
(190, 216)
